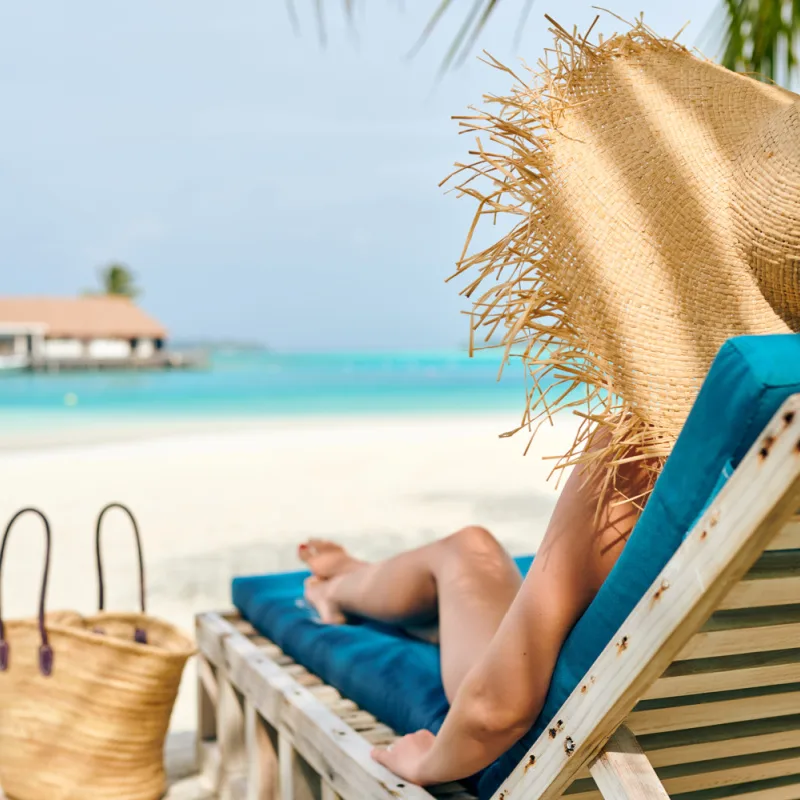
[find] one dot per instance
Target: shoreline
(53, 432)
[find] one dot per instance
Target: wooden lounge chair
(696, 697)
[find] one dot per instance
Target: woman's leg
(467, 580)
(470, 579)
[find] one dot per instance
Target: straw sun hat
(652, 202)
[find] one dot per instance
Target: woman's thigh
(476, 582)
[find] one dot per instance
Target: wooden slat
(622, 771)
(303, 676)
(380, 735)
(789, 536)
(267, 646)
(726, 772)
(659, 716)
(741, 640)
(773, 580)
(759, 790)
(745, 630)
(777, 564)
(787, 788)
(759, 498)
(719, 741)
(752, 594)
(711, 743)
(710, 751)
(727, 673)
(358, 720)
(791, 792)
(328, 695)
(731, 772)
(243, 626)
(333, 749)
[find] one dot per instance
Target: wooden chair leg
(623, 771)
(298, 779)
(207, 696)
(231, 738)
(261, 741)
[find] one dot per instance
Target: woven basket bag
(85, 703)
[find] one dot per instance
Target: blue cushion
(383, 670)
(397, 678)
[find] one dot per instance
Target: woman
(499, 635)
(656, 225)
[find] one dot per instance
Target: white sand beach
(214, 501)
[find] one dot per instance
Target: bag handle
(140, 635)
(45, 652)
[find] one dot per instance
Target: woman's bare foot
(327, 559)
(318, 594)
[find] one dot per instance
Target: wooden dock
(163, 360)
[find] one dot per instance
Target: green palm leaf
(756, 36)
(761, 36)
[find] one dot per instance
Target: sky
(261, 186)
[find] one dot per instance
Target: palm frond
(430, 27)
(293, 19)
(349, 12)
(523, 18)
(761, 36)
(463, 33)
(470, 30)
(461, 46)
(756, 36)
(476, 31)
(320, 22)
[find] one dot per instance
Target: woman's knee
(473, 557)
(475, 543)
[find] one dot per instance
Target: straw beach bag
(125, 626)
(84, 703)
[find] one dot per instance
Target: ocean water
(259, 383)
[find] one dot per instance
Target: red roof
(101, 317)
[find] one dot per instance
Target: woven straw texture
(651, 203)
(85, 702)
(95, 728)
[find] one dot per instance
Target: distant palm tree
(117, 279)
(758, 36)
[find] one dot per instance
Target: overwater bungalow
(93, 332)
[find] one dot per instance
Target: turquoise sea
(261, 383)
